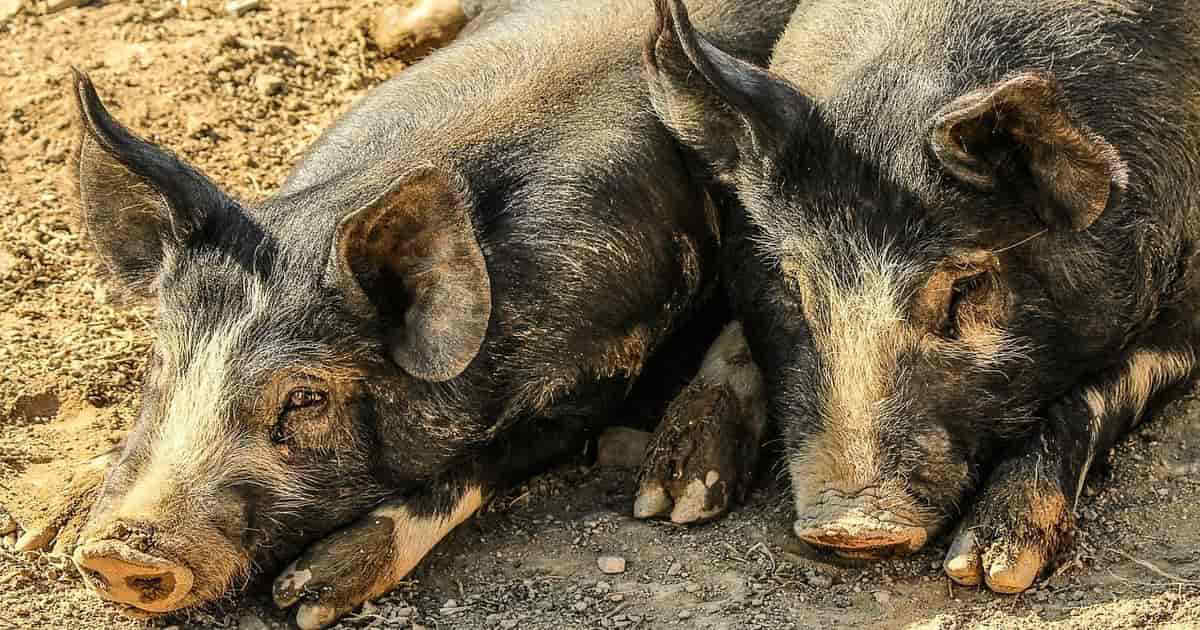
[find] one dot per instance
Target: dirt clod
(53, 6)
(238, 8)
(9, 9)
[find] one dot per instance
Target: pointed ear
(138, 200)
(1020, 129)
(720, 106)
(411, 258)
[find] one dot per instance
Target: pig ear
(1021, 128)
(720, 106)
(411, 258)
(137, 199)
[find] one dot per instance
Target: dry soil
(240, 97)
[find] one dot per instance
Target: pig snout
(119, 572)
(863, 524)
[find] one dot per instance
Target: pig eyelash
(304, 398)
(1020, 242)
(279, 433)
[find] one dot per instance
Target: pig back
(594, 233)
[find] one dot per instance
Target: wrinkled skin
(456, 286)
(965, 261)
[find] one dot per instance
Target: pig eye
(960, 293)
(303, 398)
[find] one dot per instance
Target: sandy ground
(240, 97)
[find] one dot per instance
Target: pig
(963, 253)
(458, 284)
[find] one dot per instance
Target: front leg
(369, 557)
(704, 452)
(1025, 514)
(375, 553)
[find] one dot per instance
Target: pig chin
(857, 519)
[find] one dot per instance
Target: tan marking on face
(859, 331)
(190, 440)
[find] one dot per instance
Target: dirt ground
(240, 97)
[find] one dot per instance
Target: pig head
(926, 262)
(286, 340)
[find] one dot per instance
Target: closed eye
(960, 292)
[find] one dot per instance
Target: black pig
(966, 260)
(455, 286)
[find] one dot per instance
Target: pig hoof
(337, 573)
(692, 470)
(1010, 535)
(1009, 573)
(652, 501)
(703, 455)
(313, 617)
(963, 563)
(37, 539)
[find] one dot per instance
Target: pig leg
(1025, 514)
(58, 531)
(705, 450)
(366, 559)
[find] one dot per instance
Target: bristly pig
(966, 257)
(456, 285)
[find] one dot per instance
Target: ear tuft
(985, 137)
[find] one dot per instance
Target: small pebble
(602, 587)
(882, 597)
(691, 587)
(820, 581)
(250, 621)
(9, 9)
(621, 447)
(268, 85)
(580, 606)
(611, 565)
(675, 569)
(685, 614)
(616, 597)
(508, 624)
(238, 8)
